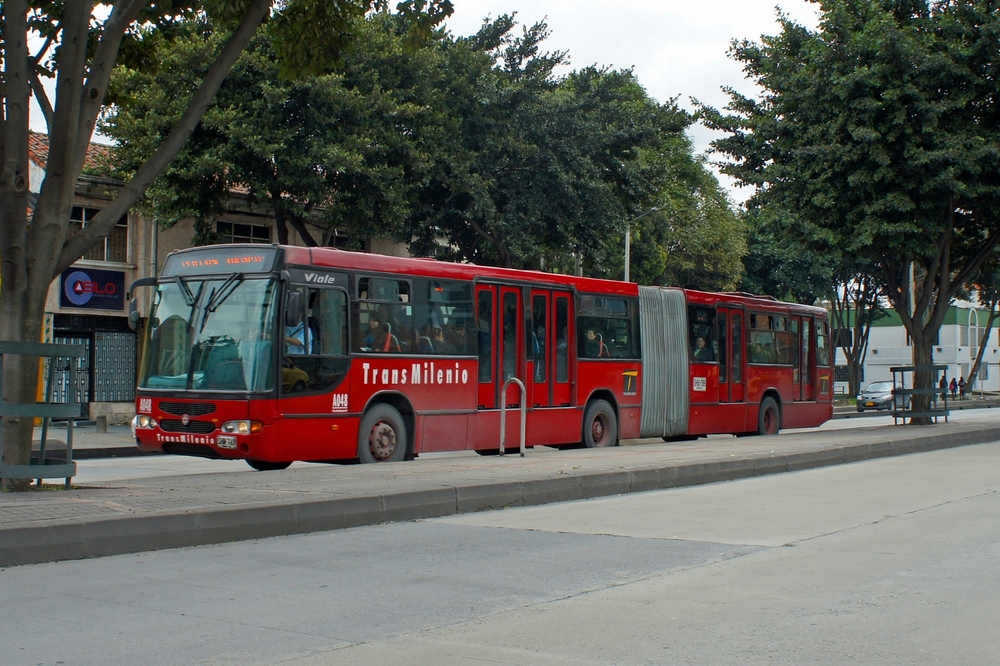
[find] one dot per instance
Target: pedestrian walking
(953, 387)
(943, 385)
(961, 388)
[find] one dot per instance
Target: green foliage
(880, 132)
(778, 264)
(314, 151)
(470, 149)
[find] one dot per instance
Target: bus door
(732, 359)
(486, 331)
(808, 360)
(736, 369)
(548, 337)
(540, 338)
(563, 352)
(500, 315)
(795, 328)
(510, 353)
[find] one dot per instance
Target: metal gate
(114, 367)
(61, 379)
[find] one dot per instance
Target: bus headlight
(147, 422)
(241, 427)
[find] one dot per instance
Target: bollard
(102, 424)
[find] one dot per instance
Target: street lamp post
(628, 239)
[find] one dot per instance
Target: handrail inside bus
(503, 412)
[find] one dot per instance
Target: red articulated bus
(274, 354)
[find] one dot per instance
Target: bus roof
(326, 257)
(378, 263)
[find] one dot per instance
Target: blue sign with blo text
(92, 289)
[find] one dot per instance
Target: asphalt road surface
(889, 561)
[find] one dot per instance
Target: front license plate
(226, 441)
(867, 404)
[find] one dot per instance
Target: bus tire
(382, 436)
(264, 466)
(600, 426)
(769, 417)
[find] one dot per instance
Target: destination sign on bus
(221, 260)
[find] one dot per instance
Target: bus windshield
(211, 334)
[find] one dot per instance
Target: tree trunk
(923, 378)
(854, 368)
(19, 322)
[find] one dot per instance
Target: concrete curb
(95, 537)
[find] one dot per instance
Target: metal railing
(899, 407)
(503, 412)
(45, 468)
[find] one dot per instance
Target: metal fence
(47, 467)
(902, 396)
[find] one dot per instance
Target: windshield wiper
(217, 296)
(189, 298)
(223, 292)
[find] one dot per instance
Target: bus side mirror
(293, 308)
(133, 313)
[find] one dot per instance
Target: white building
(957, 346)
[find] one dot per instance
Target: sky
(677, 48)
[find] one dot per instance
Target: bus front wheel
(600, 426)
(382, 437)
(769, 417)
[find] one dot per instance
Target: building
(957, 345)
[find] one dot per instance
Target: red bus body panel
(445, 406)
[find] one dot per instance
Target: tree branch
(40, 95)
(61, 172)
(299, 225)
(102, 64)
(103, 223)
(45, 47)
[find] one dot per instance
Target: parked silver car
(879, 395)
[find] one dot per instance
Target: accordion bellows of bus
(274, 354)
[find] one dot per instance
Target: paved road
(888, 561)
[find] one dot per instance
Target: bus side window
(328, 322)
(701, 319)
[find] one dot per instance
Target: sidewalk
(169, 512)
(117, 442)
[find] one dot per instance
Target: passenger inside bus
(303, 336)
(702, 352)
(593, 346)
(385, 341)
(373, 328)
(439, 344)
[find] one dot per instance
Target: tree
(79, 45)
(786, 261)
(320, 153)
(533, 166)
(856, 305)
(778, 261)
(880, 129)
(694, 239)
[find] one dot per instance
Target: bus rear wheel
(769, 417)
(600, 426)
(264, 466)
(382, 437)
